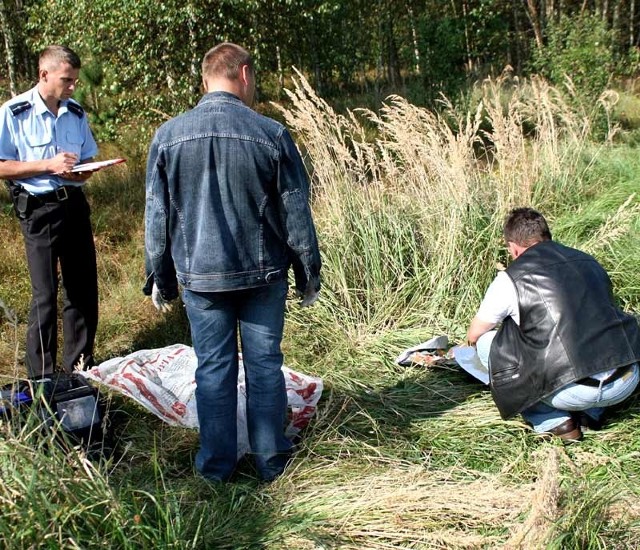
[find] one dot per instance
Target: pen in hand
(63, 162)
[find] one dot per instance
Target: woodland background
(421, 124)
(143, 56)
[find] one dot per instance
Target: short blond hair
(226, 60)
(53, 55)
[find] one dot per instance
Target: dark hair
(59, 54)
(526, 227)
(226, 60)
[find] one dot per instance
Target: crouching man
(564, 351)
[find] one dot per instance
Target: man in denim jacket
(227, 213)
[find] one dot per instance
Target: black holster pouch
(22, 201)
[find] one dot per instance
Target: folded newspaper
(427, 353)
(163, 381)
(434, 352)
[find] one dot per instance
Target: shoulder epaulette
(19, 107)
(75, 109)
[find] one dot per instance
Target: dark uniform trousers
(57, 230)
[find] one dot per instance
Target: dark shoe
(568, 431)
(589, 423)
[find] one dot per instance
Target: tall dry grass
(410, 201)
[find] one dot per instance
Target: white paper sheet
(467, 358)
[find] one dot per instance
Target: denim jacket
(227, 202)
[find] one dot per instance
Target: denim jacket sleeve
(297, 222)
(158, 261)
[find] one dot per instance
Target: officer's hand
(162, 305)
(77, 176)
(311, 293)
(63, 162)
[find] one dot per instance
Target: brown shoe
(568, 431)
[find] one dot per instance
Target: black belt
(59, 194)
(595, 383)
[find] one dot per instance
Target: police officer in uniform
(43, 134)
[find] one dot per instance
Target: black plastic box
(72, 401)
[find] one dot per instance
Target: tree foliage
(148, 53)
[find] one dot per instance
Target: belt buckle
(61, 196)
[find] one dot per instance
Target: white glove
(161, 304)
(310, 294)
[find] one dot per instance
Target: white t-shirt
(500, 301)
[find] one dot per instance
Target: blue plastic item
(9, 399)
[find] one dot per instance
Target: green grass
(409, 223)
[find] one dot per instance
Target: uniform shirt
(35, 133)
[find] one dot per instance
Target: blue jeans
(215, 318)
(555, 409)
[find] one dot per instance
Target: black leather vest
(570, 328)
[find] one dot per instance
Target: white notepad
(98, 165)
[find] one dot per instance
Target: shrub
(581, 48)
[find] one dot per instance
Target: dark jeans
(60, 233)
(215, 318)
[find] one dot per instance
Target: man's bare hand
(477, 328)
(77, 176)
(62, 163)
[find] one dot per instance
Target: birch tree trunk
(534, 18)
(280, 70)
(632, 16)
(605, 10)
(467, 39)
(7, 26)
(414, 37)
